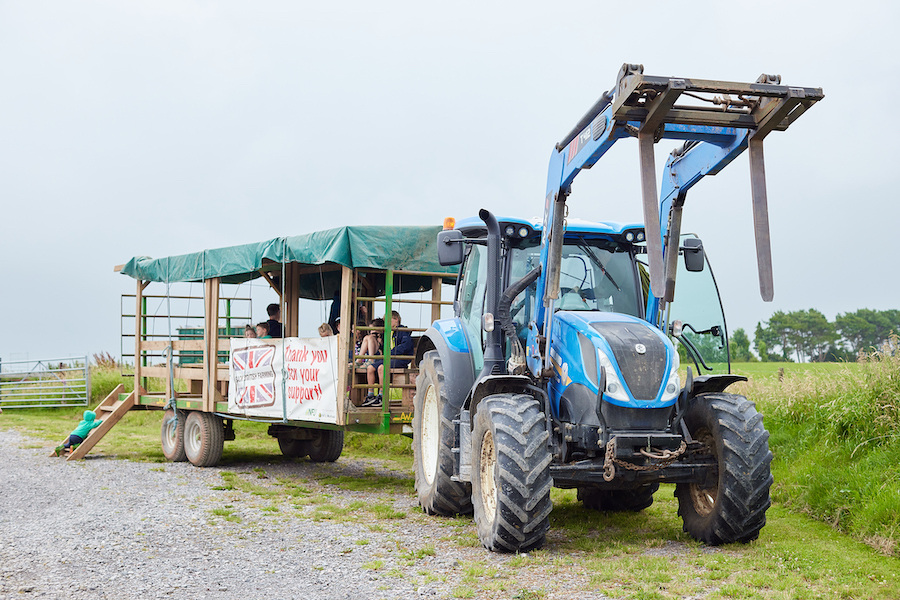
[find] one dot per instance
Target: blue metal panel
(568, 363)
(453, 332)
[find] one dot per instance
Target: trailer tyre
(172, 435)
(204, 438)
(634, 500)
(325, 446)
(511, 473)
(433, 441)
(734, 508)
(293, 448)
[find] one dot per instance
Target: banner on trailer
(293, 378)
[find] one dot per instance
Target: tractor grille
(643, 373)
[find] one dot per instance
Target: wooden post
(436, 283)
(138, 336)
(211, 343)
(292, 301)
(345, 365)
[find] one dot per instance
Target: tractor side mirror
(450, 247)
(694, 258)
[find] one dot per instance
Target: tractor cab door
(470, 300)
(696, 320)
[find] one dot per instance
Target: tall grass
(836, 440)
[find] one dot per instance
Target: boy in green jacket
(77, 436)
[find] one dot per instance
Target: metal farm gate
(49, 383)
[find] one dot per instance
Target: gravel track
(106, 528)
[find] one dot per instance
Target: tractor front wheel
(511, 473)
(433, 441)
(733, 509)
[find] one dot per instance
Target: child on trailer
(371, 344)
(79, 434)
(401, 344)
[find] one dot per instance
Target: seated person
(262, 331)
(401, 344)
(249, 331)
(372, 344)
(274, 322)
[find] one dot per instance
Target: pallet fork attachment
(717, 119)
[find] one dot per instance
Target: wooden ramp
(110, 411)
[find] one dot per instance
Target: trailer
(310, 389)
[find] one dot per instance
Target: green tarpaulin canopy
(407, 248)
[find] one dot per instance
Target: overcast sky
(163, 127)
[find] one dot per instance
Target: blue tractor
(561, 365)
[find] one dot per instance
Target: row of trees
(807, 335)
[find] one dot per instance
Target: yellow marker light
(449, 223)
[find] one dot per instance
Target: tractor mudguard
(447, 338)
(706, 384)
(579, 405)
(500, 384)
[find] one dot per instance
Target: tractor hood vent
(640, 355)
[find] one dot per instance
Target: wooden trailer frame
(367, 281)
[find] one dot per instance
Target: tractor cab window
(703, 341)
(598, 274)
(470, 297)
(522, 260)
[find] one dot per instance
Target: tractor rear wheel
(634, 500)
(204, 438)
(326, 445)
(511, 473)
(433, 441)
(172, 435)
(733, 509)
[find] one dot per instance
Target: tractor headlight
(614, 388)
(673, 383)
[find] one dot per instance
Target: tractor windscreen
(595, 274)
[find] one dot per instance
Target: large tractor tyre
(734, 508)
(172, 435)
(325, 446)
(204, 438)
(511, 473)
(433, 441)
(292, 448)
(634, 500)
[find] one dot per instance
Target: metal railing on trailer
(187, 340)
(47, 383)
(395, 407)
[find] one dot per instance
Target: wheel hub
(429, 441)
(192, 438)
(704, 498)
(487, 476)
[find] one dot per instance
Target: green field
(833, 530)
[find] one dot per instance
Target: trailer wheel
(326, 445)
(293, 448)
(635, 500)
(204, 438)
(511, 473)
(734, 508)
(172, 435)
(433, 441)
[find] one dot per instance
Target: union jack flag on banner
(254, 376)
